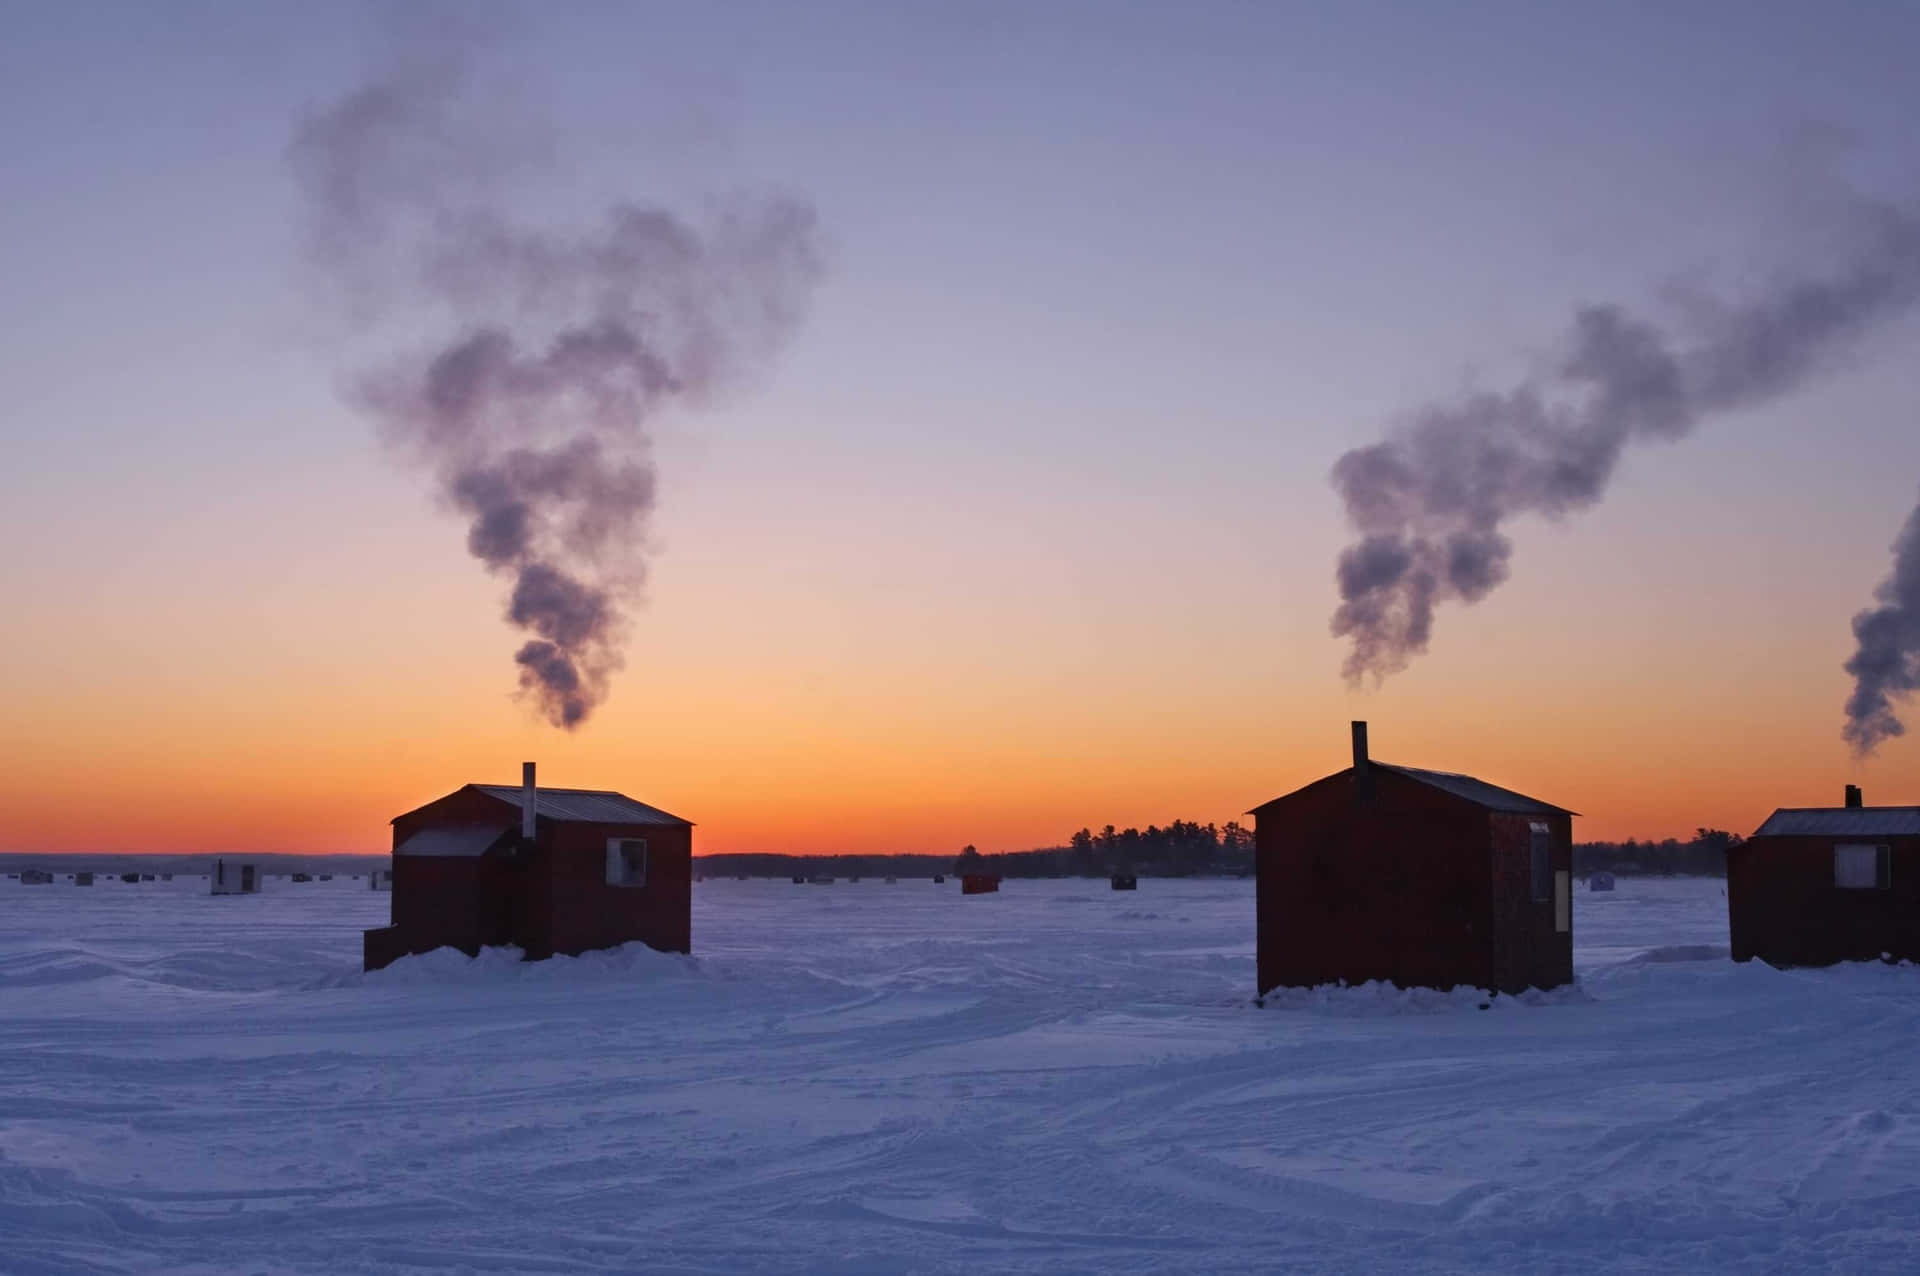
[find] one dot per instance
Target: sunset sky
(1028, 526)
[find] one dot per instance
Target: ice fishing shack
(235, 878)
(1418, 877)
(544, 870)
(1823, 884)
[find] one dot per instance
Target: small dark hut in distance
(546, 870)
(1817, 885)
(235, 879)
(1418, 877)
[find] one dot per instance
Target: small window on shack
(1540, 844)
(1862, 868)
(626, 861)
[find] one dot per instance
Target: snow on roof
(1842, 821)
(457, 839)
(582, 806)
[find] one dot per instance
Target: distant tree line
(1181, 849)
(1186, 849)
(1703, 855)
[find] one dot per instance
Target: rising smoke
(1886, 664)
(555, 348)
(1431, 503)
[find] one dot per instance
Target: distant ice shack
(1418, 877)
(546, 870)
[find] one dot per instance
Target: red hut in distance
(545, 870)
(1417, 877)
(1818, 885)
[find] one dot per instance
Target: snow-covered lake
(872, 1078)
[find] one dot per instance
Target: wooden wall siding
(583, 911)
(1415, 886)
(1783, 908)
(1529, 951)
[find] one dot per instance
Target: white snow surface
(880, 1078)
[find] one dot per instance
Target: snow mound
(1681, 952)
(49, 966)
(1378, 997)
(508, 965)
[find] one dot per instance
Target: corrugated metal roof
(1843, 821)
(1491, 796)
(582, 806)
(456, 839)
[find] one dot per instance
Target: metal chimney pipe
(1362, 765)
(528, 794)
(1853, 796)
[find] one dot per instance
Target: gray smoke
(1886, 664)
(556, 347)
(1430, 504)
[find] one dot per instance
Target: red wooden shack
(979, 883)
(545, 870)
(1418, 877)
(1817, 885)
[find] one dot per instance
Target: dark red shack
(1418, 877)
(1817, 885)
(545, 870)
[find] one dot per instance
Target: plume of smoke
(1886, 664)
(557, 347)
(1431, 504)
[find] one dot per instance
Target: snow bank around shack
(508, 965)
(1380, 997)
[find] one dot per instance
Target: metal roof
(458, 839)
(582, 806)
(1479, 792)
(1842, 821)
(1491, 796)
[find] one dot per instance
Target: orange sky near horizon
(818, 767)
(1002, 710)
(322, 804)
(909, 698)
